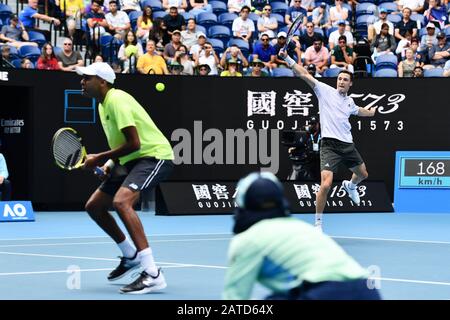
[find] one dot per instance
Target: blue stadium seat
(217, 45)
(227, 19)
(365, 8)
(386, 61)
(330, 30)
(134, 15)
(387, 73)
(367, 1)
(17, 63)
(420, 19)
(362, 22)
(37, 37)
(331, 72)
(218, 7)
(159, 14)
(57, 50)
(13, 52)
(31, 52)
(187, 15)
(383, 1)
(394, 18)
(254, 17)
(279, 7)
(447, 33)
(156, 5)
(282, 72)
(199, 28)
(435, 72)
(5, 13)
(389, 6)
(242, 44)
(280, 19)
(220, 32)
(206, 19)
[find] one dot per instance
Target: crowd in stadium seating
(380, 38)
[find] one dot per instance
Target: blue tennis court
(64, 255)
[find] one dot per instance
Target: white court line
(413, 281)
(99, 237)
(106, 242)
(393, 240)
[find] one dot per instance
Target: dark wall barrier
(221, 129)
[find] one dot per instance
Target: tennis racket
(68, 150)
(292, 30)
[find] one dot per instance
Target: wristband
(290, 61)
(110, 164)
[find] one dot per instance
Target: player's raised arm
(367, 112)
(298, 69)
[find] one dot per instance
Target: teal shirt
(280, 253)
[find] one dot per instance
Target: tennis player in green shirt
(288, 256)
(139, 158)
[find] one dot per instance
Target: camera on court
(299, 141)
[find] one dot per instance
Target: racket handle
(99, 171)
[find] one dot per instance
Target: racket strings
(67, 149)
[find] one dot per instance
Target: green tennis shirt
(280, 253)
(120, 110)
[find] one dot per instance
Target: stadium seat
(227, 19)
(435, 72)
(156, 5)
(242, 44)
(17, 63)
(217, 45)
(279, 7)
(331, 72)
(280, 19)
(420, 19)
(37, 37)
(159, 14)
(394, 18)
(218, 7)
(254, 17)
(387, 73)
(134, 15)
(330, 30)
(5, 13)
(30, 52)
(187, 16)
(365, 8)
(447, 33)
(389, 6)
(57, 50)
(386, 61)
(207, 19)
(220, 32)
(199, 28)
(282, 72)
(362, 22)
(367, 1)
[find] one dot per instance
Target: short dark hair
(245, 7)
(317, 38)
(347, 72)
(342, 38)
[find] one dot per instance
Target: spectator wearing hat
(439, 54)
(256, 69)
(208, 57)
(429, 39)
(197, 49)
(415, 5)
(293, 50)
(29, 15)
(321, 17)
(174, 21)
(384, 43)
(15, 33)
(118, 21)
(172, 46)
(294, 11)
(289, 257)
(342, 56)
(265, 52)
(436, 14)
(232, 69)
(189, 36)
(242, 26)
(203, 69)
(181, 5)
(267, 23)
(5, 184)
(333, 40)
(447, 69)
(317, 54)
(235, 6)
(151, 62)
(375, 28)
(307, 38)
(404, 25)
(233, 52)
(338, 13)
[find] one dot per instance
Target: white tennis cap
(99, 69)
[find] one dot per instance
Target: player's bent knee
(121, 205)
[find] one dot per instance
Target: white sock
(318, 219)
(127, 248)
(147, 261)
(351, 185)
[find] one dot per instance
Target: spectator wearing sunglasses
(267, 23)
(294, 11)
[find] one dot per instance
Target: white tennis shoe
(352, 193)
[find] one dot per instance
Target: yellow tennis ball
(160, 86)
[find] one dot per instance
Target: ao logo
(18, 210)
